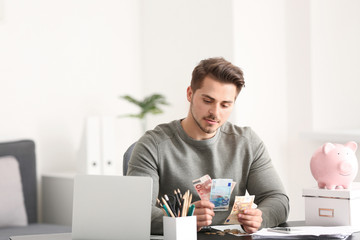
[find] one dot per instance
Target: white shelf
(340, 136)
(70, 175)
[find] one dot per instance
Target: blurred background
(62, 62)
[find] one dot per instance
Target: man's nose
(214, 109)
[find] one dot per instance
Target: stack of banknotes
(218, 191)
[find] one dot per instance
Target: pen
(179, 206)
(172, 207)
(177, 196)
(178, 203)
(191, 210)
(181, 201)
(180, 195)
(190, 199)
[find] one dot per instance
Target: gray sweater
(173, 159)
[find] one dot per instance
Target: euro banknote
(241, 203)
(220, 194)
(203, 187)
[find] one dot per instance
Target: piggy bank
(334, 165)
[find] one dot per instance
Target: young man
(178, 152)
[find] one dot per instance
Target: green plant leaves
(149, 105)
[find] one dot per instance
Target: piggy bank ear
(352, 145)
(327, 147)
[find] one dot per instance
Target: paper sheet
(339, 232)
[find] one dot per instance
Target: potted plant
(149, 105)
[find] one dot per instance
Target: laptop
(111, 207)
(107, 208)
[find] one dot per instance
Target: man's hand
(250, 220)
(204, 213)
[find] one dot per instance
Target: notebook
(111, 207)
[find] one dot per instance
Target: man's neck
(193, 130)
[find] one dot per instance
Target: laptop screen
(111, 207)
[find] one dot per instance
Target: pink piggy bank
(334, 165)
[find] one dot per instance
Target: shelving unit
(337, 136)
(57, 197)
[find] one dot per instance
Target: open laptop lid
(111, 207)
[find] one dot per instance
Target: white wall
(300, 61)
(1, 9)
(259, 28)
(176, 35)
(61, 61)
(299, 98)
(335, 37)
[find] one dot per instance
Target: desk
(203, 236)
(354, 236)
(200, 235)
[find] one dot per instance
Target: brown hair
(219, 69)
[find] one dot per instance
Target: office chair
(126, 158)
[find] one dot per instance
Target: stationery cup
(180, 228)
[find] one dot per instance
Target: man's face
(211, 105)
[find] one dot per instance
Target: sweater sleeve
(265, 184)
(143, 162)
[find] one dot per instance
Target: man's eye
(207, 101)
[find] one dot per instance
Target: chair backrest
(126, 158)
(24, 152)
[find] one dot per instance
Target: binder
(100, 146)
(108, 150)
(93, 145)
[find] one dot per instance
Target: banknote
(241, 203)
(233, 186)
(203, 187)
(220, 194)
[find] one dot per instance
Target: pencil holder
(180, 228)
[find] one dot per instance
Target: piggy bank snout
(345, 168)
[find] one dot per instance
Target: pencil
(188, 202)
(166, 211)
(180, 195)
(158, 202)
(167, 206)
(162, 207)
(184, 210)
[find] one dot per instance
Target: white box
(339, 207)
(180, 228)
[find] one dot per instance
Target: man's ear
(189, 93)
